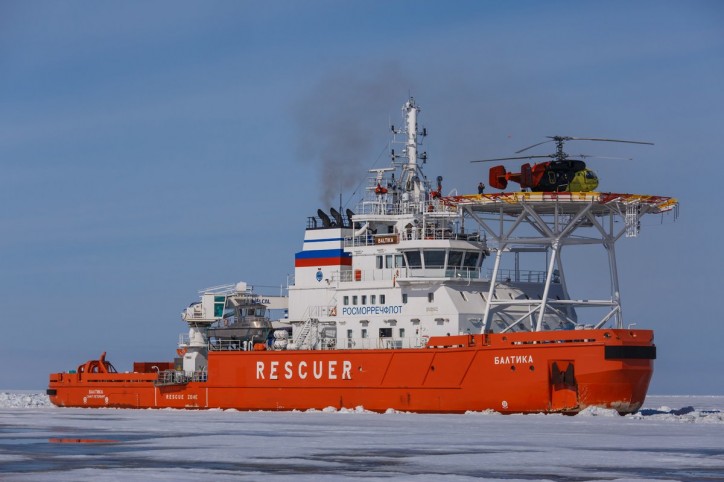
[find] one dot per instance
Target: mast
(412, 182)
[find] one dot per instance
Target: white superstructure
(410, 264)
(404, 268)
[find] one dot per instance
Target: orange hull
(555, 371)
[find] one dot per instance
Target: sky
(152, 149)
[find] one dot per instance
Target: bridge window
(385, 332)
(354, 299)
(471, 260)
(454, 259)
(413, 259)
(404, 297)
(382, 299)
(364, 332)
(345, 300)
(430, 297)
(373, 299)
(434, 258)
(378, 262)
(402, 332)
(364, 299)
(399, 261)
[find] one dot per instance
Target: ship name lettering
(372, 310)
(509, 360)
(329, 370)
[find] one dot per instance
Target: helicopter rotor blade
(606, 140)
(534, 145)
(512, 158)
(586, 156)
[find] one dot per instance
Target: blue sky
(151, 149)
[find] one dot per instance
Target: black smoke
(344, 126)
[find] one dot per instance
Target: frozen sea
(672, 438)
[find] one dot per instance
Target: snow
(672, 437)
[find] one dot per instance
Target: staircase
(308, 335)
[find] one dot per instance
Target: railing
(395, 273)
(503, 276)
(383, 206)
(233, 345)
(176, 377)
(520, 276)
(414, 234)
(384, 343)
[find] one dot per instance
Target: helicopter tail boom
(499, 177)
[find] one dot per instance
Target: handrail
(176, 377)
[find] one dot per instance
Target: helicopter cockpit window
(591, 175)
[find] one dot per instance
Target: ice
(675, 438)
(23, 399)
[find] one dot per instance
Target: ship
(416, 301)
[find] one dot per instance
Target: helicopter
(561, 174)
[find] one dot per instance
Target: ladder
(307, 337)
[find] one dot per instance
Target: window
(454, 259)
(349, 334)
(382, 299)
(345, 300)
(373, 299)
(219, 302)
(399, 261)
(354, 299)
(430, 297)
(385, 332)
(364, 299)
(402, 332)
(404, 297)
(413, 259)
(378, 260)
(388, 261)
(471, 260)
(364, 332)
(434, 258)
